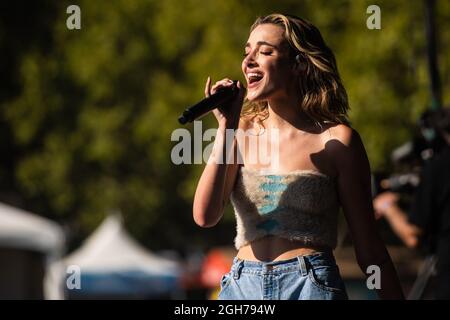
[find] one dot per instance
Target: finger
(208, 87)
(240, 86)
(242, 90)
(224, 82)
(220, 84)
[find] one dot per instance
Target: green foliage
(86, 115)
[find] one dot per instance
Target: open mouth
(254, 78)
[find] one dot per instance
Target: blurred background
(86, 118)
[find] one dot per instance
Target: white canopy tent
(22, 229)
(29, 244)
(111, 263)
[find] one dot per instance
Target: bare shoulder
(341, 137)
(343, 134)
(344, 146)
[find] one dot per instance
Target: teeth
(254, 75)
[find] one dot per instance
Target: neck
(285, 113)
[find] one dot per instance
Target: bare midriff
(272, 248)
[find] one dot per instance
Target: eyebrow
(259, 43)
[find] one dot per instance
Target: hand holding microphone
(224, 98)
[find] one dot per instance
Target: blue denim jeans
(310, 277)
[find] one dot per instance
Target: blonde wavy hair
(324, 98)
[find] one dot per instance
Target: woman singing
(286, 210)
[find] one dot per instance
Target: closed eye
(264, 53)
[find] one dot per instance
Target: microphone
(222, 96)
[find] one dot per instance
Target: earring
(297, 58)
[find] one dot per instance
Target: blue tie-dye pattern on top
(273, 188)
(300, 205)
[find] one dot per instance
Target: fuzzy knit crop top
(300, 205)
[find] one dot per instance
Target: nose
(249, 60)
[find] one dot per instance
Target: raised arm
(354, 188)
(215, 184)
(218, 177)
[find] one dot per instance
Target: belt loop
(302, 264)
(238, 268)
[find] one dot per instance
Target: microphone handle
(198, 110)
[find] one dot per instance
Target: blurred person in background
(427, 223)
(287, 213)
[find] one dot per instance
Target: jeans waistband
(302, 263)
